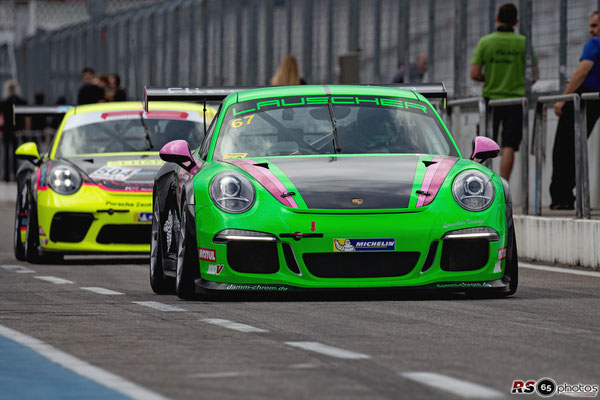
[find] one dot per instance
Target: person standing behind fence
(499, 62)
(114, 90)
(89, 93)
(586, 78)
(287, 73)
(415, 72)
(11, 97)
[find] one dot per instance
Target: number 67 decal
(236, 123)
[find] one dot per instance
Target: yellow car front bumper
(94, 220)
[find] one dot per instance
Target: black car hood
(365, 182)
(131, 172)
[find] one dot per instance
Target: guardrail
(485, 129)
(582, 181)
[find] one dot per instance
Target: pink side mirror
(178, 152)
(484, 148)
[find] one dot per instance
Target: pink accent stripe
(438, 179)
(267, 179)
(429, 174)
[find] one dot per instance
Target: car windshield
(127, 135)
(303, 125)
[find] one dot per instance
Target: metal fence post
(404, 35)
(578, 159)
(268, 41)
(377, 44)
(492, 15)
(460, 47)
(431, 41)
(330, 41)
(562, 48)
(583, 160)
(238, 44)
(525, 157)
(307, 44)
(289, 12)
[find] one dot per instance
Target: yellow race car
(91, 192)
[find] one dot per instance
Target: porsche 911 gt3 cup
(92, 191)
(325, 188)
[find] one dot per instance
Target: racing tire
(187, 258)
(159, 283)
(18, 246)
(32, 239)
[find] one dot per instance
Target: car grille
(70, 227)
(464, 254)
(125, 234)
(361, 265)
(253, 257)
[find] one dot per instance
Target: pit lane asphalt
(549, 329)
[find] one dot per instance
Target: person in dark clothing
(12, 97)
(416, 71)
(116, 92)
(586, 78)
(89, 93)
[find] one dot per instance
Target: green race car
(91, 192)
(328, 187)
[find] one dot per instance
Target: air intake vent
(70, 227)
(125, 234)
(361, 265)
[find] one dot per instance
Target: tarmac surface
(93, 328)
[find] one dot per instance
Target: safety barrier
(582, 182)
(486, 118)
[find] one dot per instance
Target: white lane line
(232, 325)
(455, 386)
(560, 270)
(159, 306)
(19, 269)
(80, 367)
(212, 375)
(100, 290)
(53, 279)
(329, 350)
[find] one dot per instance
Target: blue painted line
(25, 375)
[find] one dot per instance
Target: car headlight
(64, 179)
(473, 190)
(232, 192)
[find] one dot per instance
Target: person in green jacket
(499, 62)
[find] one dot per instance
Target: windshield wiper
(336, 139)
(146, 131)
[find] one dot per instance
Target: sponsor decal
(214, 269)
(134, 163)
(501, 254)
(142, 217)
(44, 241)
(465, 222)
(498, 267)
(207, 254)
(261, 105)
(127, 204)
(546, 387)
(41, 231)
(230, 156)
(257, 287)
(344, 245)
(464, 285)
(110, 173)
(358, 202)
(313, 226)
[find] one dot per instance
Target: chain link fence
(240, 42)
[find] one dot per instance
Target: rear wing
(434, 90)
(215, 93)
(39, 111)
(429, 90)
